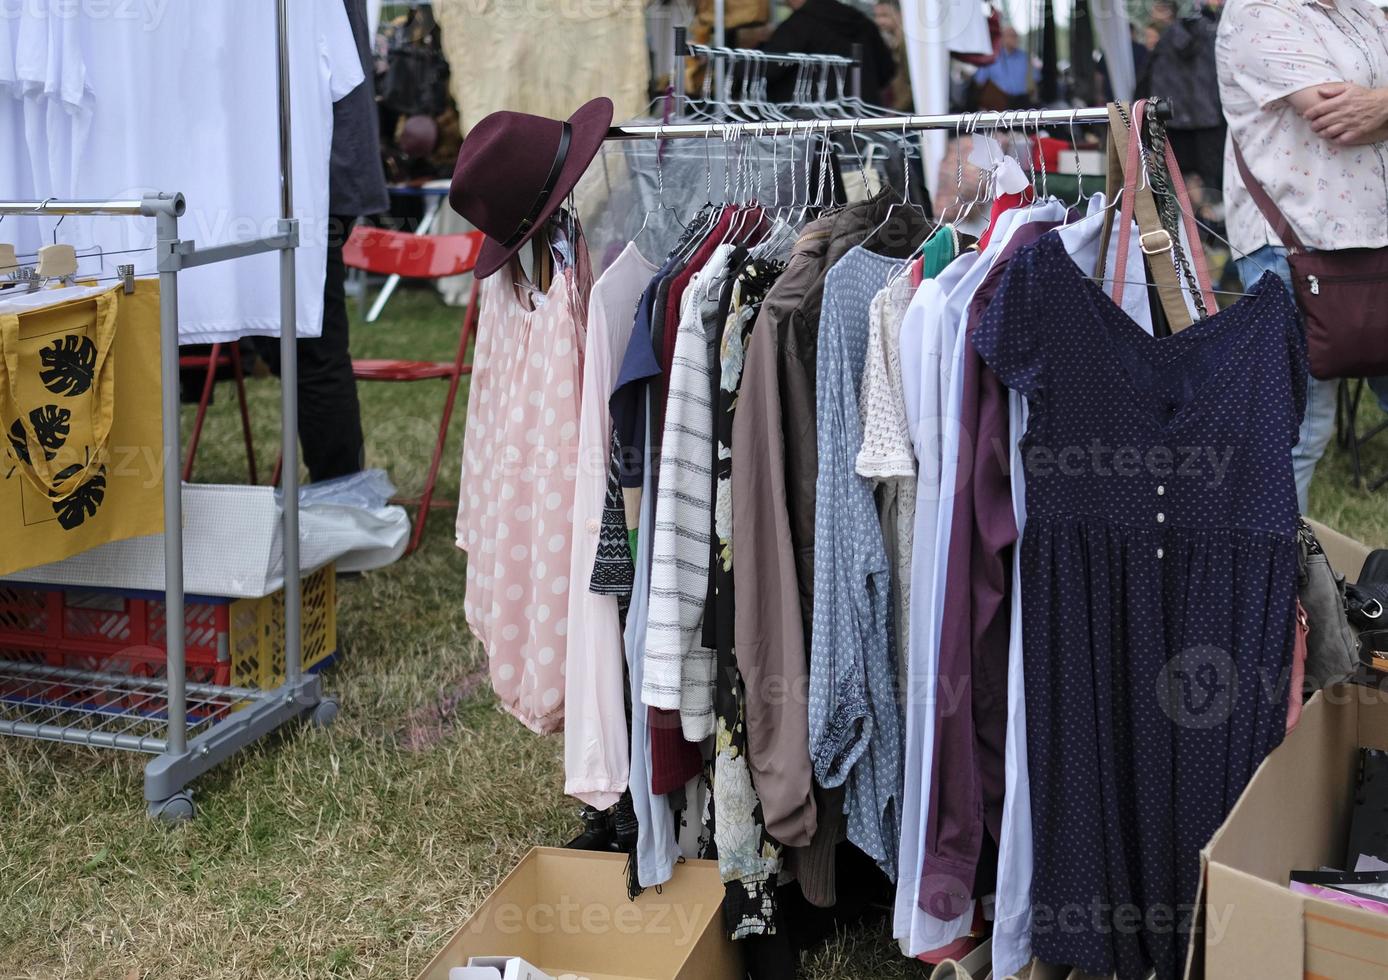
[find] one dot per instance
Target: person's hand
(1349, 114)
(888, 20)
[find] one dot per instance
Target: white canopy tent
(934, 28)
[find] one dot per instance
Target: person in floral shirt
(1305, 90)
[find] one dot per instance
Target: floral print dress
(748, 858)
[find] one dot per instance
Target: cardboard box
(567, 912)
(497, 968)
(1295, 815)
(1280, 836)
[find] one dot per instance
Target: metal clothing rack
(962, 122)
(118, 711)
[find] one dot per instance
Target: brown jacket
(775, 464)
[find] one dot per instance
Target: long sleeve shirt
(596, 749)
(855, 724)
(954, 826)
(679, 667)
(769, 630)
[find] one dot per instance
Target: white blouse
(1334, 196)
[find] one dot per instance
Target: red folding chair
(411, 256)
(221, 356)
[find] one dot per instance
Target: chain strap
(1168, 208)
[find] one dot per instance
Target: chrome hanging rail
(959, 121)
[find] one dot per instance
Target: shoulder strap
(1156, 243)
(1274, 217)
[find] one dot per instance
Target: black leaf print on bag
(68, 365)
(73, 511)
(51, 428)
(18, 442)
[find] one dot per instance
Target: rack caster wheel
(324, 713)
(177, 809)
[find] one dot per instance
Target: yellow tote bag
(81, 459)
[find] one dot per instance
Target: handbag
(1332, 648)
(1375, 566)
(1342, 293)
(1366, 605)
(81, 460)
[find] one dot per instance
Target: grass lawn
(350, 852)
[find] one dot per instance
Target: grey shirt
(357, 178)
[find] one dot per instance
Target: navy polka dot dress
(1158, 593)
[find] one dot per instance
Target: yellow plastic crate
(257, 632)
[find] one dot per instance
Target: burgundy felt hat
(514, 171)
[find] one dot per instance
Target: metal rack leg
(289, 374)
(177, 739)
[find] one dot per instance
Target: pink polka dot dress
(515, 516)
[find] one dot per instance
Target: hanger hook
(708, 164)
(1075, 148)
(905, 165)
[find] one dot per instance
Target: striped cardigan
(679, 669)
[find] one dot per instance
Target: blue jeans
(1318, 424)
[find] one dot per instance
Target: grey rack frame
(186, 752)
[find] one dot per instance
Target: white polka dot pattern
(523, 410)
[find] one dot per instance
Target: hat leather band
(556, 168)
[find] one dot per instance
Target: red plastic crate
(111, 631)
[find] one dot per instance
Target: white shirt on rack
(597, 753)
(921, 355)
(934, 519)
(45, 108)
(188, 101)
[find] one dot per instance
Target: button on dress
(1158, 579)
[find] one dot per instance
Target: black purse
(1375, 567)
(1366, 604)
